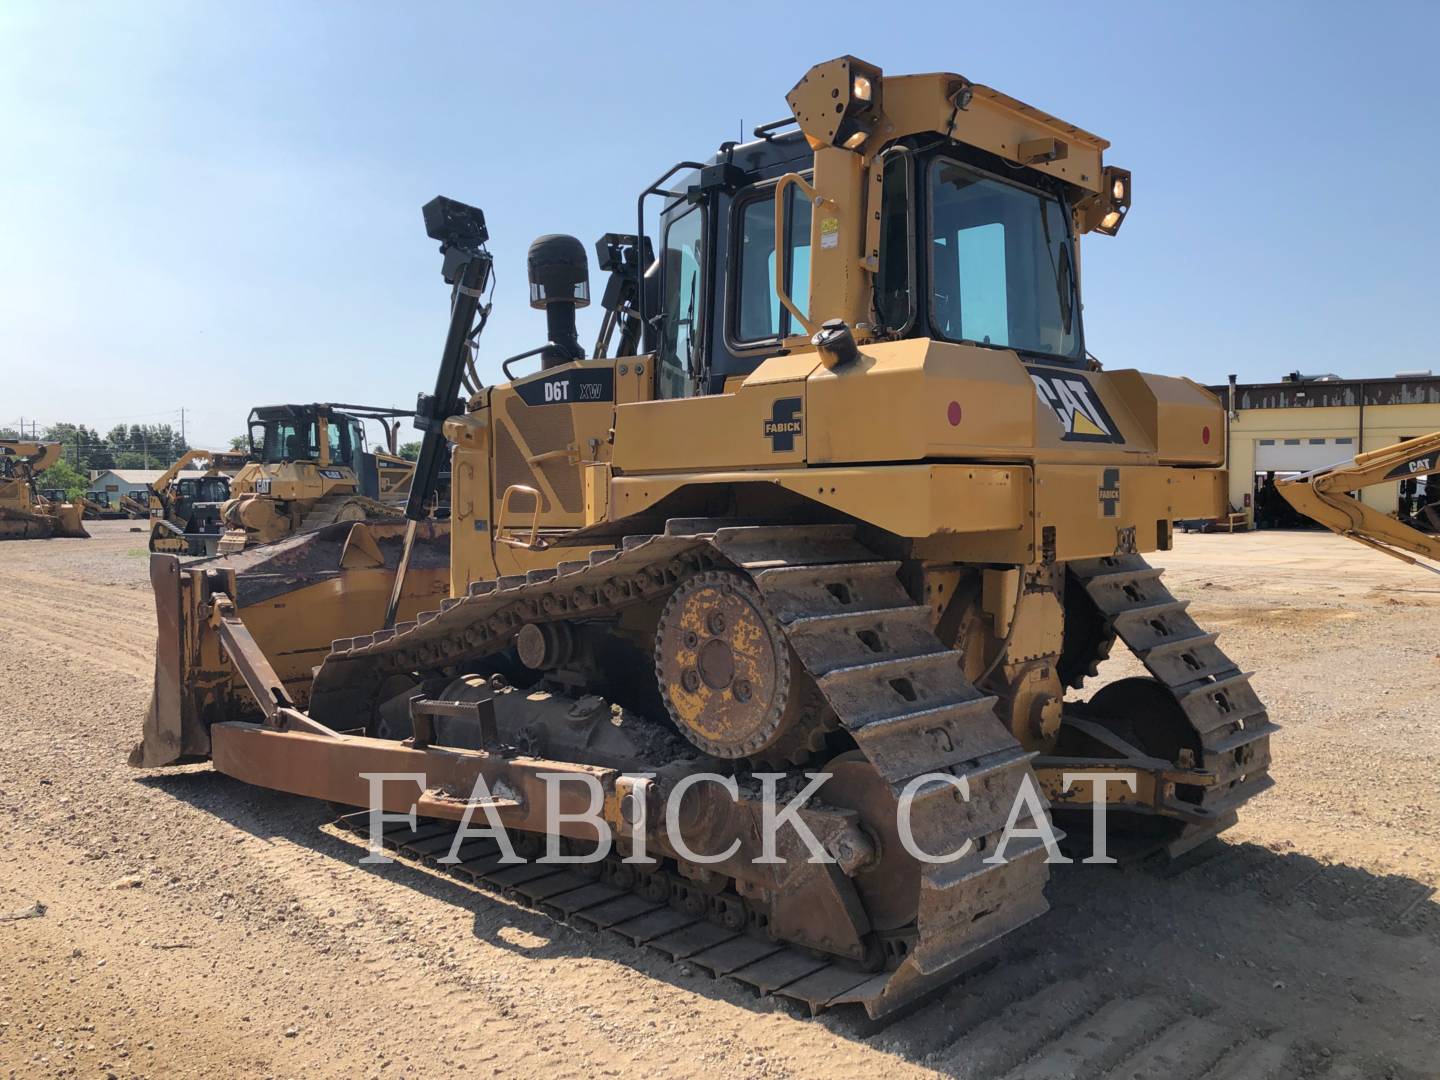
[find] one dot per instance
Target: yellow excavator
(309, 467)
(839, 492)
(1330, 497)
(24, 512)
(185, 511)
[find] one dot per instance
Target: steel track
(899, 691)
(1215, 695)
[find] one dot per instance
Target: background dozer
(309, 468)
(185, 511)
(24, 512)
(837, 490)
(1329, 497)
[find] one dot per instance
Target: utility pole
(182, 425)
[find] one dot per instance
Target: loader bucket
(295, 597)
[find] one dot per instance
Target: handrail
(534, 543)
(781, 185)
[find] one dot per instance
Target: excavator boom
(1327, 496)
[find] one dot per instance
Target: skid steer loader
(26, 512)
(185, 510)
(838, 491)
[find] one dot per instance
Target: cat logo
(1073, 400)
(1418, 466)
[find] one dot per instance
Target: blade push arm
(1324, 495)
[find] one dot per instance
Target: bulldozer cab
(970, 249)
(289, 434)
(918, 208)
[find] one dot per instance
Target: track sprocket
(728, 676)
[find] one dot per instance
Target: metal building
(1307, 422)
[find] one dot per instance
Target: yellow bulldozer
(26, 513)
(185, 510)
(309, 467)
(838, 492)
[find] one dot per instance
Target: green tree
(84, 447)
(410, 451)
(64, 475)
(240, 442)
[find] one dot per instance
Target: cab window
(758, 314)
(680, 329)
(289, 440)
(894, 297)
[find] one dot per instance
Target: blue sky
(217, 205)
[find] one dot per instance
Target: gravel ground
(181, 923)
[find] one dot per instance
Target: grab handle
(811, 194)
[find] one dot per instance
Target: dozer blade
(295, 597)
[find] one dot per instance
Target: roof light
(1110, 220)
(854, 141)
(1118, 189)
(861, 89)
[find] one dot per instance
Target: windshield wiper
(1063, 288)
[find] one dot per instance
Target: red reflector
(1205, 435)
(953, 414)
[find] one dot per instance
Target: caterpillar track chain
(1227, 719)
(893, 686)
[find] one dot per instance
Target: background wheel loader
(848, 496)
(309, 468)
(185, 511)
(25, 513)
